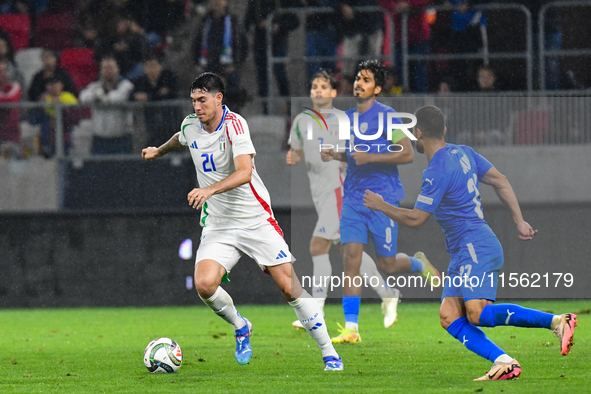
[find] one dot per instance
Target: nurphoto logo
(345, 126)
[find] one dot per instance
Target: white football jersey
(213, 155)
(325, 177)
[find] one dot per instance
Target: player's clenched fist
(327, 154)
(197, 197)
(150, 153)
(361, 158)
(293, 157)
(372, 200)
(526, 232)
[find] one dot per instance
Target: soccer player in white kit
(236, 216)
(326, 185)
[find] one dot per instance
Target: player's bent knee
(206, 285)
(449, 312)
(205, 290)
(446, 319)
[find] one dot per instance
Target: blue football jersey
(450, 191)
(381, 178)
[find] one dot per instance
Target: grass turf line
(100, 351)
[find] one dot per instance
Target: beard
(362, 99)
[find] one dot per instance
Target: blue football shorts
(474, 270)
(358, 221)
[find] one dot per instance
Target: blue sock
(514, 315)
(416, 265)
(351, 308)
(474, 339)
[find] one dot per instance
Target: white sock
(320, 302)
(222, 305)
(352, 326)
(503, 359)
(555, 321)
(369, 268)
(321, 277)
(311, 318)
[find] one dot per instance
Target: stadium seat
(80, 63)
(54, 31)
(18, 28)
(29, 63)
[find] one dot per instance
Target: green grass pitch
(100, 351)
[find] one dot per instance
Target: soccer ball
(163, 355)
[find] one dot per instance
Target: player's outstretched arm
(408, 217)
(506, 194)
(151, 152)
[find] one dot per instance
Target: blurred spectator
(486, 79)
(256, 15)
(86, 35)
(392, 85)
(322, 37)
(7, 55)
(14, 7)
(468, 30)
(50, 70)
(157, 84)
(363, 32)
(482, 127)
(156, 17)
(54, 93)
(446, 86)
(110, 126)
(10, 92)
(127, 44)
(220, 44)
(346, 85)
(418, 38)
(95, 19)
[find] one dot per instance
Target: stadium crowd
(107, 51)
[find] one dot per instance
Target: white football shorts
(328, 207)
(262, 242)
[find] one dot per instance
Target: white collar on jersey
(226, 110)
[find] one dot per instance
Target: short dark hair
(327, 75)
(153, 56)
(487, 68)
(53, 79)
(208, 82)
(430, 121)
(377, 69)
(109, 56)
